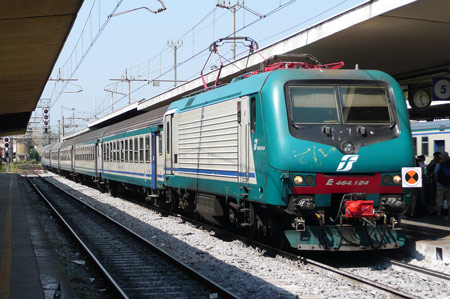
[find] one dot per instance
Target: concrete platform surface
(29, 267)
(433, 249)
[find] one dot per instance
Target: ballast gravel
(244, 270)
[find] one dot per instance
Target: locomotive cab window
(365, 104)
(333, 103)
(313, 104)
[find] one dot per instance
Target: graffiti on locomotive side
(317, 154)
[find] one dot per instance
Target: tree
(34, 155)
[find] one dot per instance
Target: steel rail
(306, 261)
(203, 279)
(303, 260)
(80, 241)
(416, 268)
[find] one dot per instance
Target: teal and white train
(309, 157)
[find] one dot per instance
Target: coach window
(114, 151)
(424, 146)
(131, 150)
(147, 148)
(136, 151)
(253, 115)
(126, 150)
(141, 149)
(118, 150)
(122, 156)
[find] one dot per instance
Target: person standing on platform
(430, 184)
(442, 171)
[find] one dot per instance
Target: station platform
(431, 236)
(29, 268)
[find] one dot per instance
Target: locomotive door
(243, 117)
(168, 142)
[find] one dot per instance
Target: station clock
(419, 99)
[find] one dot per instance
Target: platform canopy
(32, 34)
(409, 39)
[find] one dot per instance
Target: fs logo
(347, 162)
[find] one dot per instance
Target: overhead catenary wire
(74, 51)
(204, 50)
(153, 65)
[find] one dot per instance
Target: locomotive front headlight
(397, 179)
(298, 179)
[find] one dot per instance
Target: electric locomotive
(295, 149)
(300, 153)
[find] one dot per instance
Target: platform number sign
(441, 89)
(411, 177)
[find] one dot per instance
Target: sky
(140, 44)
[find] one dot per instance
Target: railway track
(377, 258)
(380, 284)
(135, 267)
(386, 285)
(415, 268)
(313, 263)
(397, 291)
(28, 169)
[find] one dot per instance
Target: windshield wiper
(393, 125)
(295, 125)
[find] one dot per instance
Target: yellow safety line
(6, 256)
